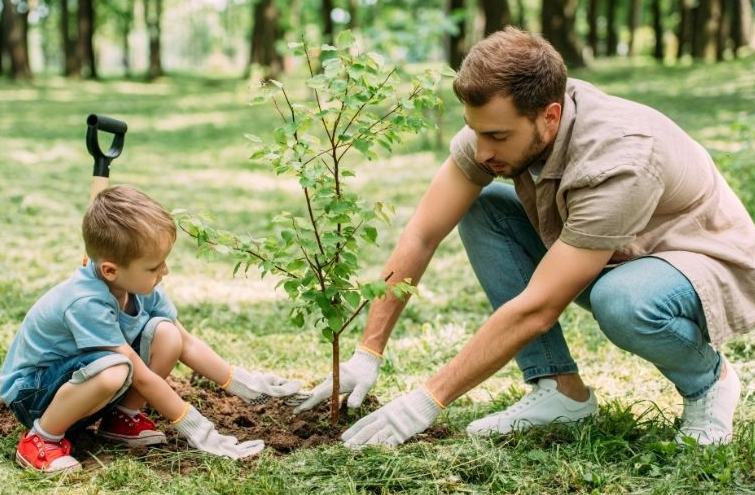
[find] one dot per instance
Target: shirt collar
(554, 165)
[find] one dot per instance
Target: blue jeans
(645, 306)
(39, 388)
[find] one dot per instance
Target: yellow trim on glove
(367, 349)
(440, 404)
(228, 381)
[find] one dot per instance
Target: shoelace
(528, 399)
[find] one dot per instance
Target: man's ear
(108, 270)
(552, 118)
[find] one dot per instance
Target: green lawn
(185, 147)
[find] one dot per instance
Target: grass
(185, 147)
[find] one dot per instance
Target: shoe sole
(153, 439)
(26, 464)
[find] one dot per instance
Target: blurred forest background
(145, 38)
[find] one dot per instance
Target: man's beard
(534, 153)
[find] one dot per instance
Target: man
(613, 206)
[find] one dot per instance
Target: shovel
(101, 173)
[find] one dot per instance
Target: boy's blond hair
(123, 224)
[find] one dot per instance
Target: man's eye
(498, 139)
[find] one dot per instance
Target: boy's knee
(112, 379)
(167, 340)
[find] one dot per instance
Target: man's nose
(483, 152)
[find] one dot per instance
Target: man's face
(507, 142)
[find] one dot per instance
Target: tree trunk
(3, 36)
(126, 24)
(455, 42)
(328, 32)
(684, 32)
(612, 39)
(265, 32)
(592, 26)
(741, 23)
(520, 12)
(558, 27)
(85, 44)
(334, 394)
(707, 17)
(153, 11)
(658, 29)
(71, 61)
(632, 22)
(497, 15)
(14, 31)
(353, 12)
(723, 33)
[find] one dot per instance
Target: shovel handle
(102, 159)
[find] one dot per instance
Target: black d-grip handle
(102, 159)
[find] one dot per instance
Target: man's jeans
(645, 306)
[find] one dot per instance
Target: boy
(100, 344)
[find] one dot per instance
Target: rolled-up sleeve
(609, 213)
(463, 147)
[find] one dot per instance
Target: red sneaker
(47, 457)
(137, 430)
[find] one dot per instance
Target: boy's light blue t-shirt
(73, 317)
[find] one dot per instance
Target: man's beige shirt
(623, 176)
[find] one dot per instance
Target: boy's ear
(108, 270)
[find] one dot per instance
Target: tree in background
(557, 18)
(153, 11)
(455, 41)
(13, 31)
(265, 35)
(85, 41)
(497, 15)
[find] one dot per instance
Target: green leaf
(447, 71)
(370, 233)
(328, 48)
(353, 298)
(298, 320)
(345, 39)
(328, 334)
(275, 83)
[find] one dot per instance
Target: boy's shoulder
(82, 287)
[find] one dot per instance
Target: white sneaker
(709, 419)
(542, 406)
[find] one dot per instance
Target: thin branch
(275, 103)
(291, 108)
(358, 310)
(314, 266)
(317, 97)
(359, 110)
(314, 223)
(246, 251)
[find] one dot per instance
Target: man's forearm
(408, 261)
(504, 334)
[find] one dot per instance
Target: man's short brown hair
(123, 224)
(512, 63)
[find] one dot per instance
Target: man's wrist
(375, 353)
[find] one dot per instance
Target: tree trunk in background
(612, 39)
(633, 19)
(741, 23)
(328, 32)
(265, 33)
(455, 49)
(592, 26)
(520, 15)
(71, 61)
(353, 12)
(557, 18)
(127, 23)
(497, 15)
(723, 33)
(684, 31)
(85, 43)
(658, 29)
(707, 17)
(3, 37)
(153, 11)
(14, 32)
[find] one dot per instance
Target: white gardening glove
(396, 422)
(257, 388)
(358, 375)
(202, 435)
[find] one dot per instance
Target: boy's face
(143, 274)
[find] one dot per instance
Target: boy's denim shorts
(39, 388)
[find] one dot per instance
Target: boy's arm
(151, 386)
(251, 387)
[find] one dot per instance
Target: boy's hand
(202, 435)
(257, 388)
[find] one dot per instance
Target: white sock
(130, 412)
(36, 429)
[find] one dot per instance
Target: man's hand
(202, 435)
(358, 375)
(257, 388)
(396, 422)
